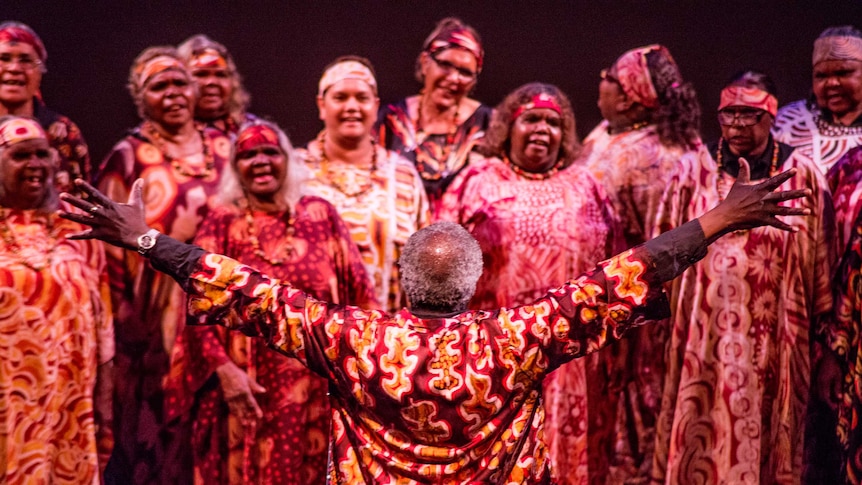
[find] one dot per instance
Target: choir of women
(753, 377)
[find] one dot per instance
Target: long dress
(737, 384)
(536, 234)
(55, 330)
(436, 160)
(149, 307)
(845, 182)
(381, 210)
(634, 166)
(289, 444)
(453, 400)
(802, 125)
(65, 137)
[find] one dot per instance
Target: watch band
(147, 240)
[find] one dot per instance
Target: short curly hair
(677, 117)
(497, 140)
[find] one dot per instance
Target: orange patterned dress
(381, 211)
(149, 307)
(55, 330)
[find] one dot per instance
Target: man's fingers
(744, 175)
(773, 182)
(782, 225)
(79, 218)
(76, 201)
(791, 211)
(81, 235)
(98, 197)
(251, 402)
(136, 196)
(787, 195)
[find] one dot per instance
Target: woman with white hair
(181, 163)
(277, 406)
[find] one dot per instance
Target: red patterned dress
(381, 210)
(55, 330)
(441, 400)
(66, 138)
(289, 445)
(438, 158)
(536, 234)
(738, 368)
(149, 307)
(845, 182)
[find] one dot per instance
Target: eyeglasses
(740, 118)
(26, 62)
(464, 74)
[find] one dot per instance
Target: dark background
(281, 48)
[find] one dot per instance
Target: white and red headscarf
(17, 32)
(837, 48)
(349, 69)
(145, 71)
(17, 129)
(460, 38)
(632, 72)
(750, 97)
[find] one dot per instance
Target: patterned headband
(19, 129)
(539, 101)
(208, 58)
(458, 39)
(15, 32)
(837, 48)
(346, 70)
(156, 65)
(751, 97)
(255, 136)
(632, 72)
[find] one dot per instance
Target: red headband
(208, 58)
(254, 136)
(460, 38)
(539, 101)
(751, 97)
(632, 72)
(14, 32)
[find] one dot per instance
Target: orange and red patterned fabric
(55, 330)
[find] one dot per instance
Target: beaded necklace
(633, 127)
(11, 242)
(833, 129)
(722, 187)
(181, 169)
(336, 181)
(534, 176)
(255, 242)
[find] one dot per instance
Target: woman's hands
(238, 390)
(114, 223)
(747, 206)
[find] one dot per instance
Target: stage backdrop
(282, 47)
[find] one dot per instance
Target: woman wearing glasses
(438, 128)
(739, 368)
(651, 120)
(22, 63)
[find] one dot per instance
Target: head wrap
(459, 38)
(146, 70)
(18, 129)
(207, 58)
(539, 101)
(632, 72)
(837, 48)
(751, 97)
(346, 70)
(254, 136)
(18, 32)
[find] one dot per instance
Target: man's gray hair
(440, 266)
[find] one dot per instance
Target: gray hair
(440, 266)
(50, 202)
(134, 82)
(230, 191)
(239, 98)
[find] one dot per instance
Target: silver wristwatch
(147, 240)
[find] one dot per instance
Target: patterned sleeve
(104, 317)
(847, 298)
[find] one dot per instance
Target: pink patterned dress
(738, 368)
(536, 234)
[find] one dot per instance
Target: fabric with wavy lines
(738, 370)
(149, 307)
(536, 234)
(804, 126)
(55, 329)
(845, 181)
(380, 218)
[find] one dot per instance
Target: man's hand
(239, 389)
(117, 224)
(747, 206)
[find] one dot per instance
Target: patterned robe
(289, 444)
(55, 330)
(149, 307)
(437, 163)
(634, 167)
(800, 124)
(66, 138)
(228, 127)
(439, 400)
(738, 377)
(845, 182)
(536, 234)
(381, 218)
